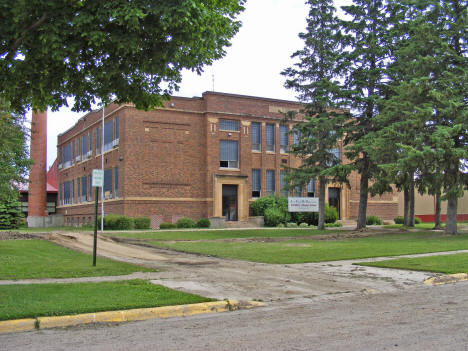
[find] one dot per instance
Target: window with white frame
(67, 155)
(229, 125)
(108, 135)
(116, 182)
(270, 137)
(270, 182)
(256, 183)
(228, 154)
(108, 183)
(256, 136)
(98, 140)
(84, 189)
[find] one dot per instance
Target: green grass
(30, 301)
(47, 230)
(301, 251)
(23, 259)
(457, 263)
(426, 225)
(223, 234)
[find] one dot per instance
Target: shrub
(373, 220)
(11, 216)
(124, 222)
(303, 225)
(332, 225)
(185, 223)
(281, 225)
(291, 225)
(417, 220)
(167, 225)
(203, 223)
(274, 216)
(260, 205)
(331, 214)
(399, 220)
(142, 223)
(311, 218)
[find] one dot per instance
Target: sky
(259, 52)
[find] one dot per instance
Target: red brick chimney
(37, 194)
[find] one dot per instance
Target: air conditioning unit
(89, 154)
(78, 158)
(59, 166)
(115, 142)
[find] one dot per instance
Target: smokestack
(37, 194)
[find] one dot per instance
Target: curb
(19, 325)
(447, 279)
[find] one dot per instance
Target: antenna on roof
(212, 77)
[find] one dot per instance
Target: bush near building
(120, 222)
(203, 223)
(373, 220)
(11, 216)
(274, 210)
(185, 223)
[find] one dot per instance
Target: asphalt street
(416, 318)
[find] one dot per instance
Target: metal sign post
(98, 181)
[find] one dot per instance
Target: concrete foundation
(46, 222)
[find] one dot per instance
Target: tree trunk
(437, 211)
(406, 206)
(321, 219)
(411, 204)
(363, 194)
(451, 222)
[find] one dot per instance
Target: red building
(205, 156)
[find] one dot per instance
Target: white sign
(303, 204)
(98, 177)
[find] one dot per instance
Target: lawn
(30, 301)
(222, 234)
(301, 251)
(457, 263)
(24, 259)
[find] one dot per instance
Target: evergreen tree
(429, 96)
(315, 78)
(14, 156)
(369, 39)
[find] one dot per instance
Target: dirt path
(224, 278)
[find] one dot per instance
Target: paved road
(418, 318)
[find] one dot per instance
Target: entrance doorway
(230, 202)
(334, 199)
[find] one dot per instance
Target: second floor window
(284, 192)
(229, 124)
(256, 136)
(270, 137)
(284, 139)
(228, 154)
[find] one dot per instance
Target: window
(284, 139)
(284, 192)
(296, 137)
(73, 151)
(116, 182)
(311, 188)
(84, 189)
(256, 136)
(72, 191)
(256, 183)
(270, 181)
(98, 140)
(67, 156)
(90, 188)
(297, 191)
(336, 152)
(108, 135)
(108, 183)
(116, 131)
(84, 146)
(228, 154)
(228, 124)
(67, 196)
(270, 137)
(78, 187)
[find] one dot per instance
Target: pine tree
(315, 78)
(429, 96)
(369, 38)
